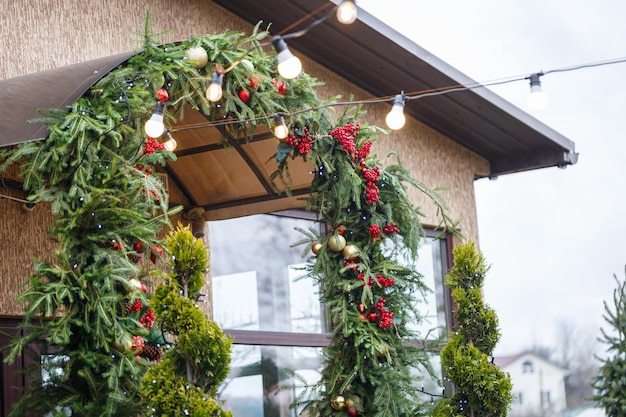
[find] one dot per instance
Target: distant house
(538, 385)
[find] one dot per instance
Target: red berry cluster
(371, 176)
(138, 343)
(137, 305)
(152, 145)
(386, 317)
(364, 150)
(302, 144)
(391, 228)
(361, 277)
(281, 86)
(374, 231)
(384, 281)
(116, 245)
(345, 136)
(140, 167)
(149, 319)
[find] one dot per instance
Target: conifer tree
(185, 381)
(610, 383)
(481, 388)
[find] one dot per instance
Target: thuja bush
(185, 381)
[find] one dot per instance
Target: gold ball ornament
(247, 65)
(338, 402)
(316, 247)
(124, 344)
(135, 284)
(198, 56)
(350, 252)
(336, 243)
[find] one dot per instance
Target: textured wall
(42, 35)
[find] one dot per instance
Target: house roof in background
(383, 62)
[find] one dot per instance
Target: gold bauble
(336, 243)
(338, 402)
(316, 247)
(350, 252)
(198, 56)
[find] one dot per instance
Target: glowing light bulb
(289, 65)
(281, 131)
(214, 91)
(537, 99)
(395, 118)
(154, 127)
(347, 12)
(170, 144)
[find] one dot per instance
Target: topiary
(185, 382)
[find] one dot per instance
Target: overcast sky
(554, 237)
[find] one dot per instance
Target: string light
(214, 91)
(347, 12)
(395, 118)
(289, 65)
(537, 99)
(170, 144)
(280, 128)
(154, 127)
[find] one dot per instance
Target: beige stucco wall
(41, 35)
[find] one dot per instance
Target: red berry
(281, 86)
(138, 247)
(244, 95)
(351, 411)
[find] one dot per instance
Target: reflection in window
(257, 280)
(52, 368)
(259, 385)
(435, 305)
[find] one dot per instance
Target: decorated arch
(99, 170)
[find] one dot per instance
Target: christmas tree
(482, 389)
(185, 381)
(610, 383)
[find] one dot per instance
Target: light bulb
(289, 66)
(281, 131)
(214, 92)
(170, 144)
(537, 99)
(395, 118)
(347, 12)
(154, 127)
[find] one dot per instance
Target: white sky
(554, 237)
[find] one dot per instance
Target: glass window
(259, 383)
(261, 298)
(257, 282)
(527, 367)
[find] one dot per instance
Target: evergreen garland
(96, 168)
(482, 389)
(365, 268)
(610, 382)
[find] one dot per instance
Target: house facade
(538, 385)
(447, 142)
